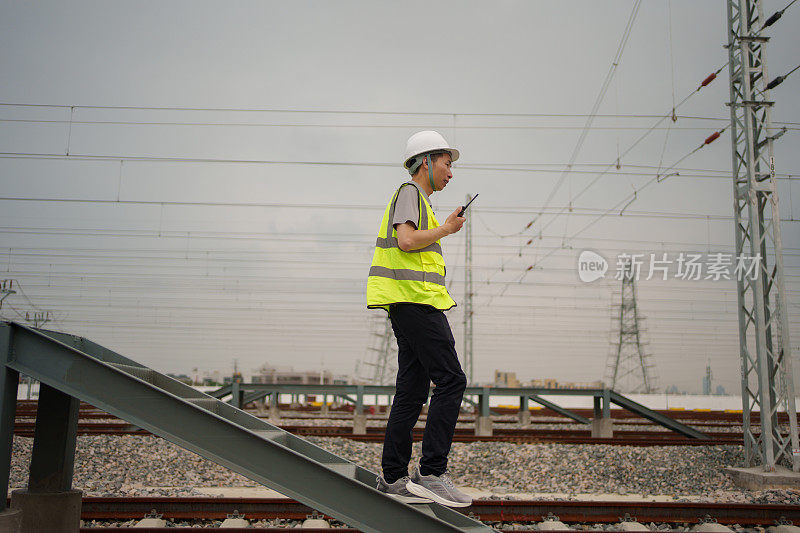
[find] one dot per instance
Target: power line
(569, 207)
(525, 167)
(353, 112)
(628, 199)
(320, 239)
(598, 100)
(704, 83)
(183, 234)
(312, 125)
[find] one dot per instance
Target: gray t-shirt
(407, 206)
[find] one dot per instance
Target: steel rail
(675, 413)
(121, 508)
(633, 438)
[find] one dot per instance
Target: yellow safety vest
(407, 277)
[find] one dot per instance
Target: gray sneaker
(438, 488)
(398, 490)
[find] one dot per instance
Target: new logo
(591, 266)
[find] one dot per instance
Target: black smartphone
(461, 213)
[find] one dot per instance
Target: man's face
(441, 170)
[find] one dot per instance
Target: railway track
(96, 422)
(496, 512)
(699, 417)
(376, 434)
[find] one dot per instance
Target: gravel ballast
(132, 465)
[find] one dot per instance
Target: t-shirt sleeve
(407, 207)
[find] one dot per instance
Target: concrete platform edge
(754, 478)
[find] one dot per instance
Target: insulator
(529, 268)
(529, 241)
(774, 83)
(529, 224)
(712, 138)
(708, 80)
(773, 19)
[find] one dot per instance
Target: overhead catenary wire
(369, 126)
(671, 61)
(498, 167)
(500, 210)
(621, 204)
(628, 200)
(598, 100)
(347, 112)
(568, 208)
(704, 83)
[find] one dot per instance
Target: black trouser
(426, 352)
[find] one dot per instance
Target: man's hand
(409, 238)
(454, 222)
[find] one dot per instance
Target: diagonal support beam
(221, 392)
(560, 410)
(654, 416)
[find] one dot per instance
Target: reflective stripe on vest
(391, 242)
(406, 274)
(416, 276)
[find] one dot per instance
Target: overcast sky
(191, 183)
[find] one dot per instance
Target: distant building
(582, 385)
(270, 374)
(707, 381)
(545, 383)
(505, 379)
(721, 391)
(550, 383)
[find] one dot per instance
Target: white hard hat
(424, 142)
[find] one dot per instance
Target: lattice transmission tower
(379, 367)
(767, 380)
(630, 367)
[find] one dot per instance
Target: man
(407, 280)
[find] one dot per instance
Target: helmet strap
(430, 171)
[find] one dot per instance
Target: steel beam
(9, 381)
(53, 455)
(254, 396)
(359, 400)
(352, 390)
(655, 416)
(483, 402)
(237, 395)
(221, 392)
(603, 399)
(560, 410)
(219, 432)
